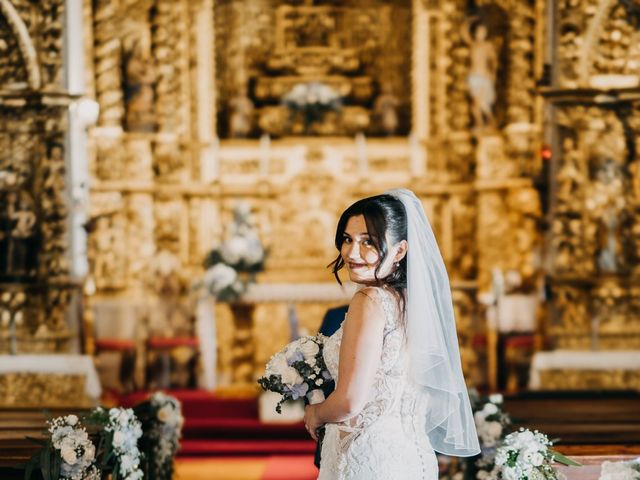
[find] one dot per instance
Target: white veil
(432, 340)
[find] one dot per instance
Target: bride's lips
(356, 266)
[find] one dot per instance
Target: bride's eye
(346, 240)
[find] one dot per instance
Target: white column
(206, 92)
(81, 114)
(420, 81)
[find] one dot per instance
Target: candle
(417, 161)
(361, 150)
(265, 148)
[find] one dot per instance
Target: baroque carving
(43, 390)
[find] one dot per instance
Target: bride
(400, 394)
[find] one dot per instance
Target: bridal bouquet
(298, 370)
(526, 455)
(69, 453)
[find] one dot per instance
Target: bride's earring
(397, 264)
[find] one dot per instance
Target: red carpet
(230, 427)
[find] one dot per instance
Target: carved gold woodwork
(590, 379)
(43, 390)
(351, 48)
(150, 191)
(34, 273)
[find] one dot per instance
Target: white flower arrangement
(491, 424)
(629, 470)
(232, 266)
(165, 432)
(312, 94)
(121, 432)
(526, 455)
(311, 100)
(298, 370)
(70, 453)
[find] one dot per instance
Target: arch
(25, 44)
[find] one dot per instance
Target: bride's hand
(311, 421)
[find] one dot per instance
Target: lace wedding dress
(387, 439)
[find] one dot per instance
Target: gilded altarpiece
(34, 272)
(593, 99)
(193, 119)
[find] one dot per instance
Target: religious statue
(607, 201)
(138, 82)
(21, 255)
(569, 176)
(385, 108)
(482, 74)
(240, 119)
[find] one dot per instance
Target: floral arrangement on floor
(68, 454)
(527, 455)
(119, 435)
(233, 265)
(492, 424)
(298, 370)
(620, 470)
(312, 99)
(162, 421)
(521, 455)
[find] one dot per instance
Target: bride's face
(360, 255)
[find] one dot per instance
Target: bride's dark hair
(384, 215)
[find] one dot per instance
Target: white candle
(417, 161)
(265, 153)
(361, 150)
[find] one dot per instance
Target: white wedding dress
(387, 439)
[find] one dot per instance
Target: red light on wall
(546, 152)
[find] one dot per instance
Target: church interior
(171, 176)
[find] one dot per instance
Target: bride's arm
(360, 353)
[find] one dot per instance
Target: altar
(585, 370)
(48, 381)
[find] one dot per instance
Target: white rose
(127, 462)
(220, 276)
(319, 382)
(72, 420)
(164, 413)
(496, 398)
(234, 249)
(537, 459)
(291, 377)
(68, 454)
(509, 474)
(118, 439)
(494, 429)
(277, 364)
(89, 453)
(309, 349)
(490, 409)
